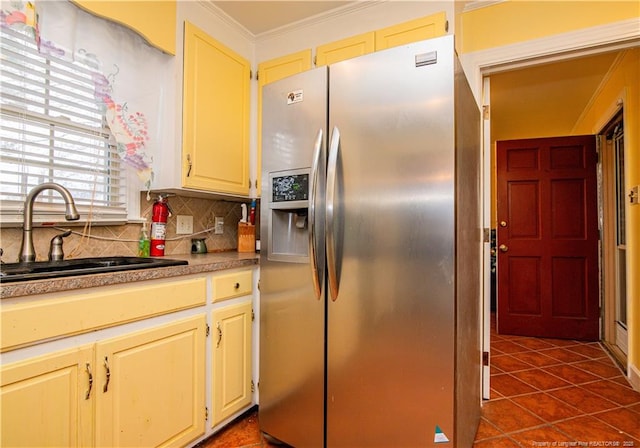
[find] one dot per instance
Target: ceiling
(262, 16)
(547, 98)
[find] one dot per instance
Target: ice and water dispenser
(288, 216)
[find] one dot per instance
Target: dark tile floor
(544, 392)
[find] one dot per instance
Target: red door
(548, 238)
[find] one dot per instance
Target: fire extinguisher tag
(158, 230)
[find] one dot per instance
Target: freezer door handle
(313, 192)
(332, 176)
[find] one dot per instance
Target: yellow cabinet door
(216, 91)
(48, 400)
(278, 68)
(270, 71)
(231, 360)
(416, 30)
(151, 386)
(345, 49)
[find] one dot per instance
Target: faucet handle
(55, 248)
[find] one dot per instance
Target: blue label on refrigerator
(439, 436)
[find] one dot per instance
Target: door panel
(292, 318)
(525, 220)
(524, 283)
(47, 401)
(392, 323)
(231, 361)
(547, 238)
(151, 386)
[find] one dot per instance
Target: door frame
(479, 65)
(608, 292)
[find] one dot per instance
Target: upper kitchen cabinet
(278, 68)
(348, 48)
(216, 95)
(423, 28)
(416, 30)
(154, 20)
(270, 71)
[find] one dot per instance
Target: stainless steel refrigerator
(371, 240)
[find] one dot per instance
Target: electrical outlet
(184, 225)
(218, 225)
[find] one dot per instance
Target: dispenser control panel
(290, 187)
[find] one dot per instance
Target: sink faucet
(27, 251)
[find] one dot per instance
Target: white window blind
(53, 130)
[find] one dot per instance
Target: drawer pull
(237, 286)
(88, 394)
(106, 366)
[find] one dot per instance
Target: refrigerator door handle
(313, 191)
(332, 175)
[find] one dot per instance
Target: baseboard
(634, 377)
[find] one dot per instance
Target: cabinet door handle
(106, 366)
(189, 163)
(219, 335)
(88, 369)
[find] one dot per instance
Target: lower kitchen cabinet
(232, 383)
(151, 386)
(48, 400)
(145, 388)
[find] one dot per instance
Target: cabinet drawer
(231, 285)
(63, 314)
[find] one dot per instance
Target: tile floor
(544, 392)
(551, 392)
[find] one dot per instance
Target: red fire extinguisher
(160, 212)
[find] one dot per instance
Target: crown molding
(479, 4)
(227, 19)
(312, 20)
(320, 18)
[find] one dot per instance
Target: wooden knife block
(246, 237)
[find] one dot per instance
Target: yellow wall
(502, 23)
(155, 20)
(624, 82)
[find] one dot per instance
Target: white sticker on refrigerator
(439, 436)
(295, 96)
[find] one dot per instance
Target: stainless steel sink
(38, 270)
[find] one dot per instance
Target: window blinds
(53, 130)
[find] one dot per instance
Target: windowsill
(7, 222)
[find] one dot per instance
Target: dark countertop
(198, 263)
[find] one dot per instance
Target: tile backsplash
(123, 239)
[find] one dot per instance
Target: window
(53, 130)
